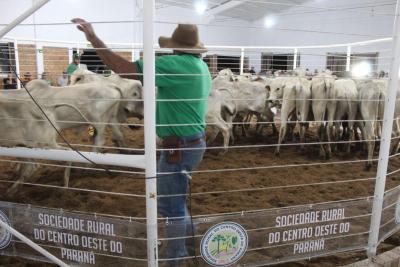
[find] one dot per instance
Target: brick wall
(55, 61)
(27, 59)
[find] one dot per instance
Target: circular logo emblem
(224, 244)
(5, 236)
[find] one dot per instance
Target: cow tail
(349, 103)
(230, 108)
(381, 99)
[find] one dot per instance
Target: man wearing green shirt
(74, 65)
(183, 83)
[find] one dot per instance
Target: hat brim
(167, 42)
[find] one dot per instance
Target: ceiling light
(200, 6)
(269, 22)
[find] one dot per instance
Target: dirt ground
(256, 156)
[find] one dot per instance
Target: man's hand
(85, 27)
(114, 61)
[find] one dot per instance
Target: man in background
(46, 77)
(63, 79)
(26, 78)
(10, 82)
(252, 71)
(74, 64)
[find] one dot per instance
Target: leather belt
(179, 142)
(194, 141)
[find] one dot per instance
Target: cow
(223, 79)
(24, 125)
(323, 105)
(265, 117)
(293, 95)
(245, 95)
(372, 95)
(215, 108)
(96, 103)
(346, 97)
(130, 106)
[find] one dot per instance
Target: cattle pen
(260, 197)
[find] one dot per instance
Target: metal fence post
(149, 129)
(22, 17)
(241, 61)
(16, 58)
(133, 58)
(384, 150)
(296, 52)
(39, 60)
(33, 245)
(348, 58)
(70, 54)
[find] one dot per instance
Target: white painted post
(150, 131)
(295, 58)
(39, 60)
(16, 57)
(133, 53)
(27, 241)
(22, 17)
(348, 58)
(384, 150)
(134, 161)
(70, 54)
(77, 51)
(38, 50)
(241, 61)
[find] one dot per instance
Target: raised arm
(114, 61)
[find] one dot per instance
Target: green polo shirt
(183, 84)
(71, 68)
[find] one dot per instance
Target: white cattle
(95, 103)
(225, 72)
(23, 124)
(246, 96)
(216, 107)
(323, 105)
(293, 94)
(264, 117)
(131, 104)
(346, 96)
(223, 79)
(242, 95)
(372, 95)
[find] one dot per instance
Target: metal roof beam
(225, 6)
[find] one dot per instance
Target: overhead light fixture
(362, 69)
(200, 6)
(269, 21)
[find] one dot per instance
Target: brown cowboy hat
(184, 39)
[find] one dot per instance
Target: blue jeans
(176, 206)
